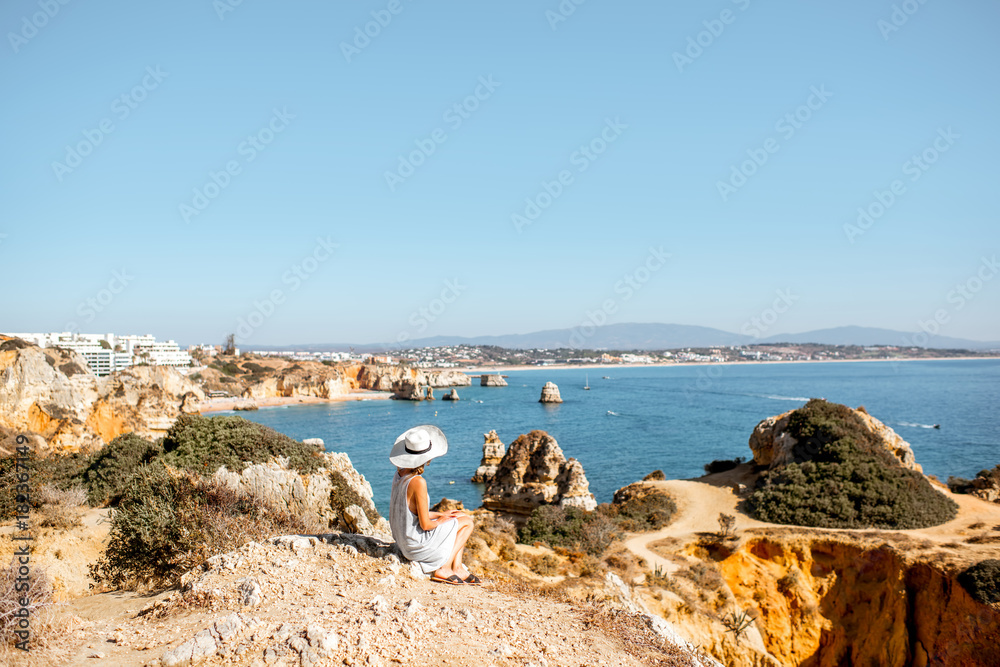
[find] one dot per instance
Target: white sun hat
(417, 446)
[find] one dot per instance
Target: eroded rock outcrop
(834, 602)
(550, 393)
(493, 451)
(451, 396)
(388, 377)
(52, 393)
(773, 445)
(312, 495)
(534, 472)
(495, 380)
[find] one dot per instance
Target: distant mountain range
(664, 337)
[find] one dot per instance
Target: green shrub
(342, 496)
(655, 476)
(844, 478)
(203, 444)
(228, 367)
(62, 471)
(569, 527)
(169, 521)
(109, 468)
(651, 511)
(982, 581)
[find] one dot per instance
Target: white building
(107, 353)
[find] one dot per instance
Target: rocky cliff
(493, 451)
(534, 472)
(774, 446)
(52, 393)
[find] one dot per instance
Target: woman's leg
(464, 532)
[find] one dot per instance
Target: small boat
(586, 383)
(936, 426)
(606, 377)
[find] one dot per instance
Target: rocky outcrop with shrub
(836, 471)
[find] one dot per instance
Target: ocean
(672, 418)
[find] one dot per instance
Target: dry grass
(61, 509)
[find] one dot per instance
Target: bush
(569, 527)
(651, 511)
(655, 476)
(722, 465)
(204, 444)
(60, 508)
(38, 596)
(228, 367)
(844, 478)
(169, 521)
(109, 468)
(982, 581)
(62, 471)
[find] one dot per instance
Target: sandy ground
(224, 404)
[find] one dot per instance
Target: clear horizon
(391, 170)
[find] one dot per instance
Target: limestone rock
(52, 393)
(308, 495)
(493, 451)
(447, 505)
(451, 396)
(550, 393)
(773, 445)
(495, 380)
(534, 472)
(317, 442)
(387, 377)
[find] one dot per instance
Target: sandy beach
(230, 403)
(503, 369)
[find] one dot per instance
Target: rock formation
(773, 445)
(52, 393)
(451, 396)
(386, 377)
(495, 380)
(550, 394)
(534, 472)
(493, 451)
(309, 495)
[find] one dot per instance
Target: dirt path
(699, 504)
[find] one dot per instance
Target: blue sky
(673, 129)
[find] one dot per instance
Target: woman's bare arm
(416, 499)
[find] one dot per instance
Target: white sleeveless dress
(429, 548)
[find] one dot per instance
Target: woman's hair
(419, 470)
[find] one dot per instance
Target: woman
(434, 540)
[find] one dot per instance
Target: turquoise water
(672, 418)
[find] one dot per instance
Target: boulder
(495, 380)
(773, 445)
(447, 505)
(535, 472)
(493, 451)
(451, 396)
(550, 394)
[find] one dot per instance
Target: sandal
(454, 580)
(473, 580)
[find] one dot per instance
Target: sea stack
(493, 451)
(495, 380)
(550, 393)
(534, 472)
(451, 396)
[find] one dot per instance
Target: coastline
(228, 404)
(522, 367)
